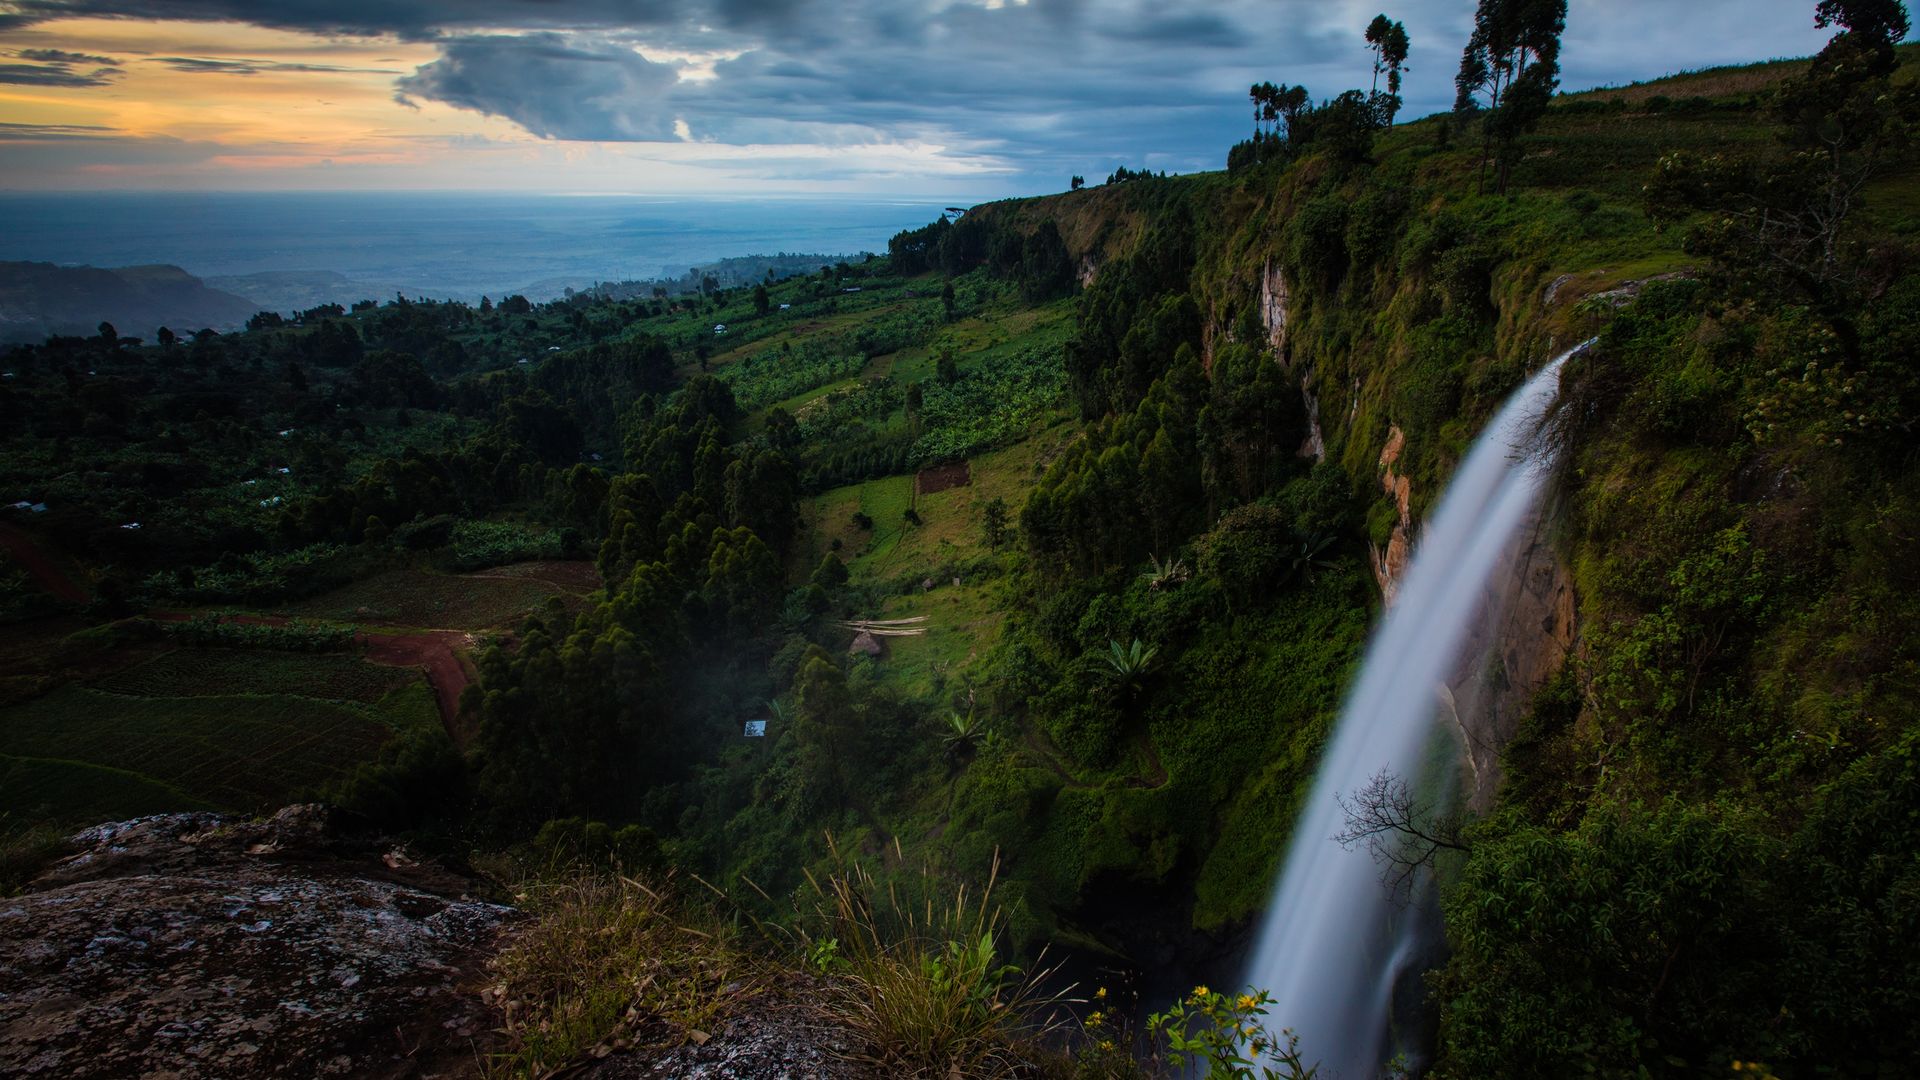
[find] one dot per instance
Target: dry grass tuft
(608, 962)
(917, 974)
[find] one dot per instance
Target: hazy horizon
(457, 245)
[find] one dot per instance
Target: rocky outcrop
(1089, 271)
(1315, 445)
(1274, 298)
(202, 945)
(1388, 565)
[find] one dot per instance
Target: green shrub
(921, 975)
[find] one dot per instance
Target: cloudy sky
(933, 97)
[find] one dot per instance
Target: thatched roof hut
(865, 642)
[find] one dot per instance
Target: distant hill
(287, 291)
(38, 299)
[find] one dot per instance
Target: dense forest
(1045, 545)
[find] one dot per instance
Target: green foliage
(481, 544)
(418, 779)
(777, 375)
(1223, 1033)
(999, 400)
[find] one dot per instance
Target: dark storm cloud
(55, 75)
(1194, 29)
(50, 132)
(223, 65)
(408, 18)
(61, 56)
(1046, 87)
(551, 86)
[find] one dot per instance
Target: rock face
(201, 945)
(1274, 297)
(1315, 444)
(1388, 565)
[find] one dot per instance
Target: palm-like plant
(962, 733)
(1311, 555)
(1163, 574)
(1129, 662)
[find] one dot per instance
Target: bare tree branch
(1400, 833)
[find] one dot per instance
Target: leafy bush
(1224, 1035)
(480, 544)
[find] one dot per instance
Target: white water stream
(1333, 943)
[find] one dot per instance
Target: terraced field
(198, 728)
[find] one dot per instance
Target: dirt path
(26, 551)
(435, 653)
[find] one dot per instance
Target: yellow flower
(1200, 991)
(1106, 1044)
(1100, 993)
(1246, 1001)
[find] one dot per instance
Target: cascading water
(1329, 950)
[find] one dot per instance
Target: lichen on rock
(202, 945)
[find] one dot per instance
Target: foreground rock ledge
(201, 945)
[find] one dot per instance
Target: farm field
(419, 598)
(201, 728)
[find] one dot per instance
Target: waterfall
(1333, 942)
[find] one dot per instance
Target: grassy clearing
(950, 520)
(966, 619)
(241, 752)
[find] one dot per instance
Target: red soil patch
(21, 546)
(434, 655)
(942, 477)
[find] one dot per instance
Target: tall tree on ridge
(1387, 40)
(1513, 58)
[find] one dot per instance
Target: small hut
(865, 642)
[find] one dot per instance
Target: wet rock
(202, 945)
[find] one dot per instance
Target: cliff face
(1393, 405)
(199, 945)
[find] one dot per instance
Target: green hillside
(1046, 546)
